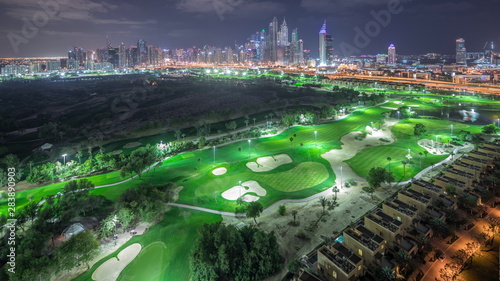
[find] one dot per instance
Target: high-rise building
(391, 54)
(122, 56)
(461, 52)
(283, 34)
(272, 41)
(489, 48)
(322, 45)
(142, 52)
(329, 49)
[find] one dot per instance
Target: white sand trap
(250, 198)
(236, 191)
(219, 171)
(132, 145)
(111, 269)
(268, 163)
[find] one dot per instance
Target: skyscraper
(322, 45)
(142, 52)
(272, 41)
(489, 48)
(329, 49)
(391, 54)
(283, 34)
(122, 56)
(461, 52)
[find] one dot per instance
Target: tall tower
(489, 48)
(461, 52)
(273, 40)
(283, 34)
(391, 54)
(142, 52)
(322, 45)
(122, 56)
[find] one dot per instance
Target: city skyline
(187, 23)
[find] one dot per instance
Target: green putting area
(166, 247)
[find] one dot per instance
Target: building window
(334, 274)
(399, 218)
(359, 268)
(360, 252)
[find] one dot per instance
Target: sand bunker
(116, 152)
(219, 171)
(241, 190)
(111, 269)
(132, 145)
(268, 163)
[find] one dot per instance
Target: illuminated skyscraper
(283, 34)
(322, 45)
(142, 52)
(489, 48)
(272, 41)
(122, 56)
(391, 54)
(461, 52)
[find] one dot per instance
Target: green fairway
(405, 139)
(166, 247)
(149, 265)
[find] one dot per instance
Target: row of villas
(398, 223)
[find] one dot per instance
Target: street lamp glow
(249, 141)
(214, 153)
(398, 115)
(315, 136)
(64, 159)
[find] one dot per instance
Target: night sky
(422, 26)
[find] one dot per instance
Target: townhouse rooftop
(384, 220)
(342, 257)
(364, 236)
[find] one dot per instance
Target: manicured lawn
(166, 247)
(405, 139)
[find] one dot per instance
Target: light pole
(398, 115)
(451, 126)
(214, 153)
(249, 141)
(316, 138)
(64, 159)
(340, 177)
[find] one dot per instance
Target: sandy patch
(240, 190)
(351, 147)
(250, 198)
(111, 269)
(391, 108)
(433, 147)
(116, 152)
(269, 163)
(219, 171)
(132, 144)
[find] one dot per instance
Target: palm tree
(425, 153)
(335, 190)
(79, 155)
(404, 162)
(254, 120)
(420, 154)
(389, 159)
(291, 141)
(403, 259)
(323, 202)
(294, 214)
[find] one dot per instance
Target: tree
(201, 142)
(291, 142)
(231, 125)
(489, 129)
(282, 210)
(79, 155)
(377, 176)
(323, 201)
(294, 215)
(335, 190)
(178, 134)
(254, 209)
(419, 129)
(81, 248)
(294, 266)
(405, 162)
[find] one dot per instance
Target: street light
(451, 126)
(249, 141)
(64, 159)
(398, 115)
(315, 137)
(214, 153)
(340, 177)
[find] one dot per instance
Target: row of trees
(225, 253)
